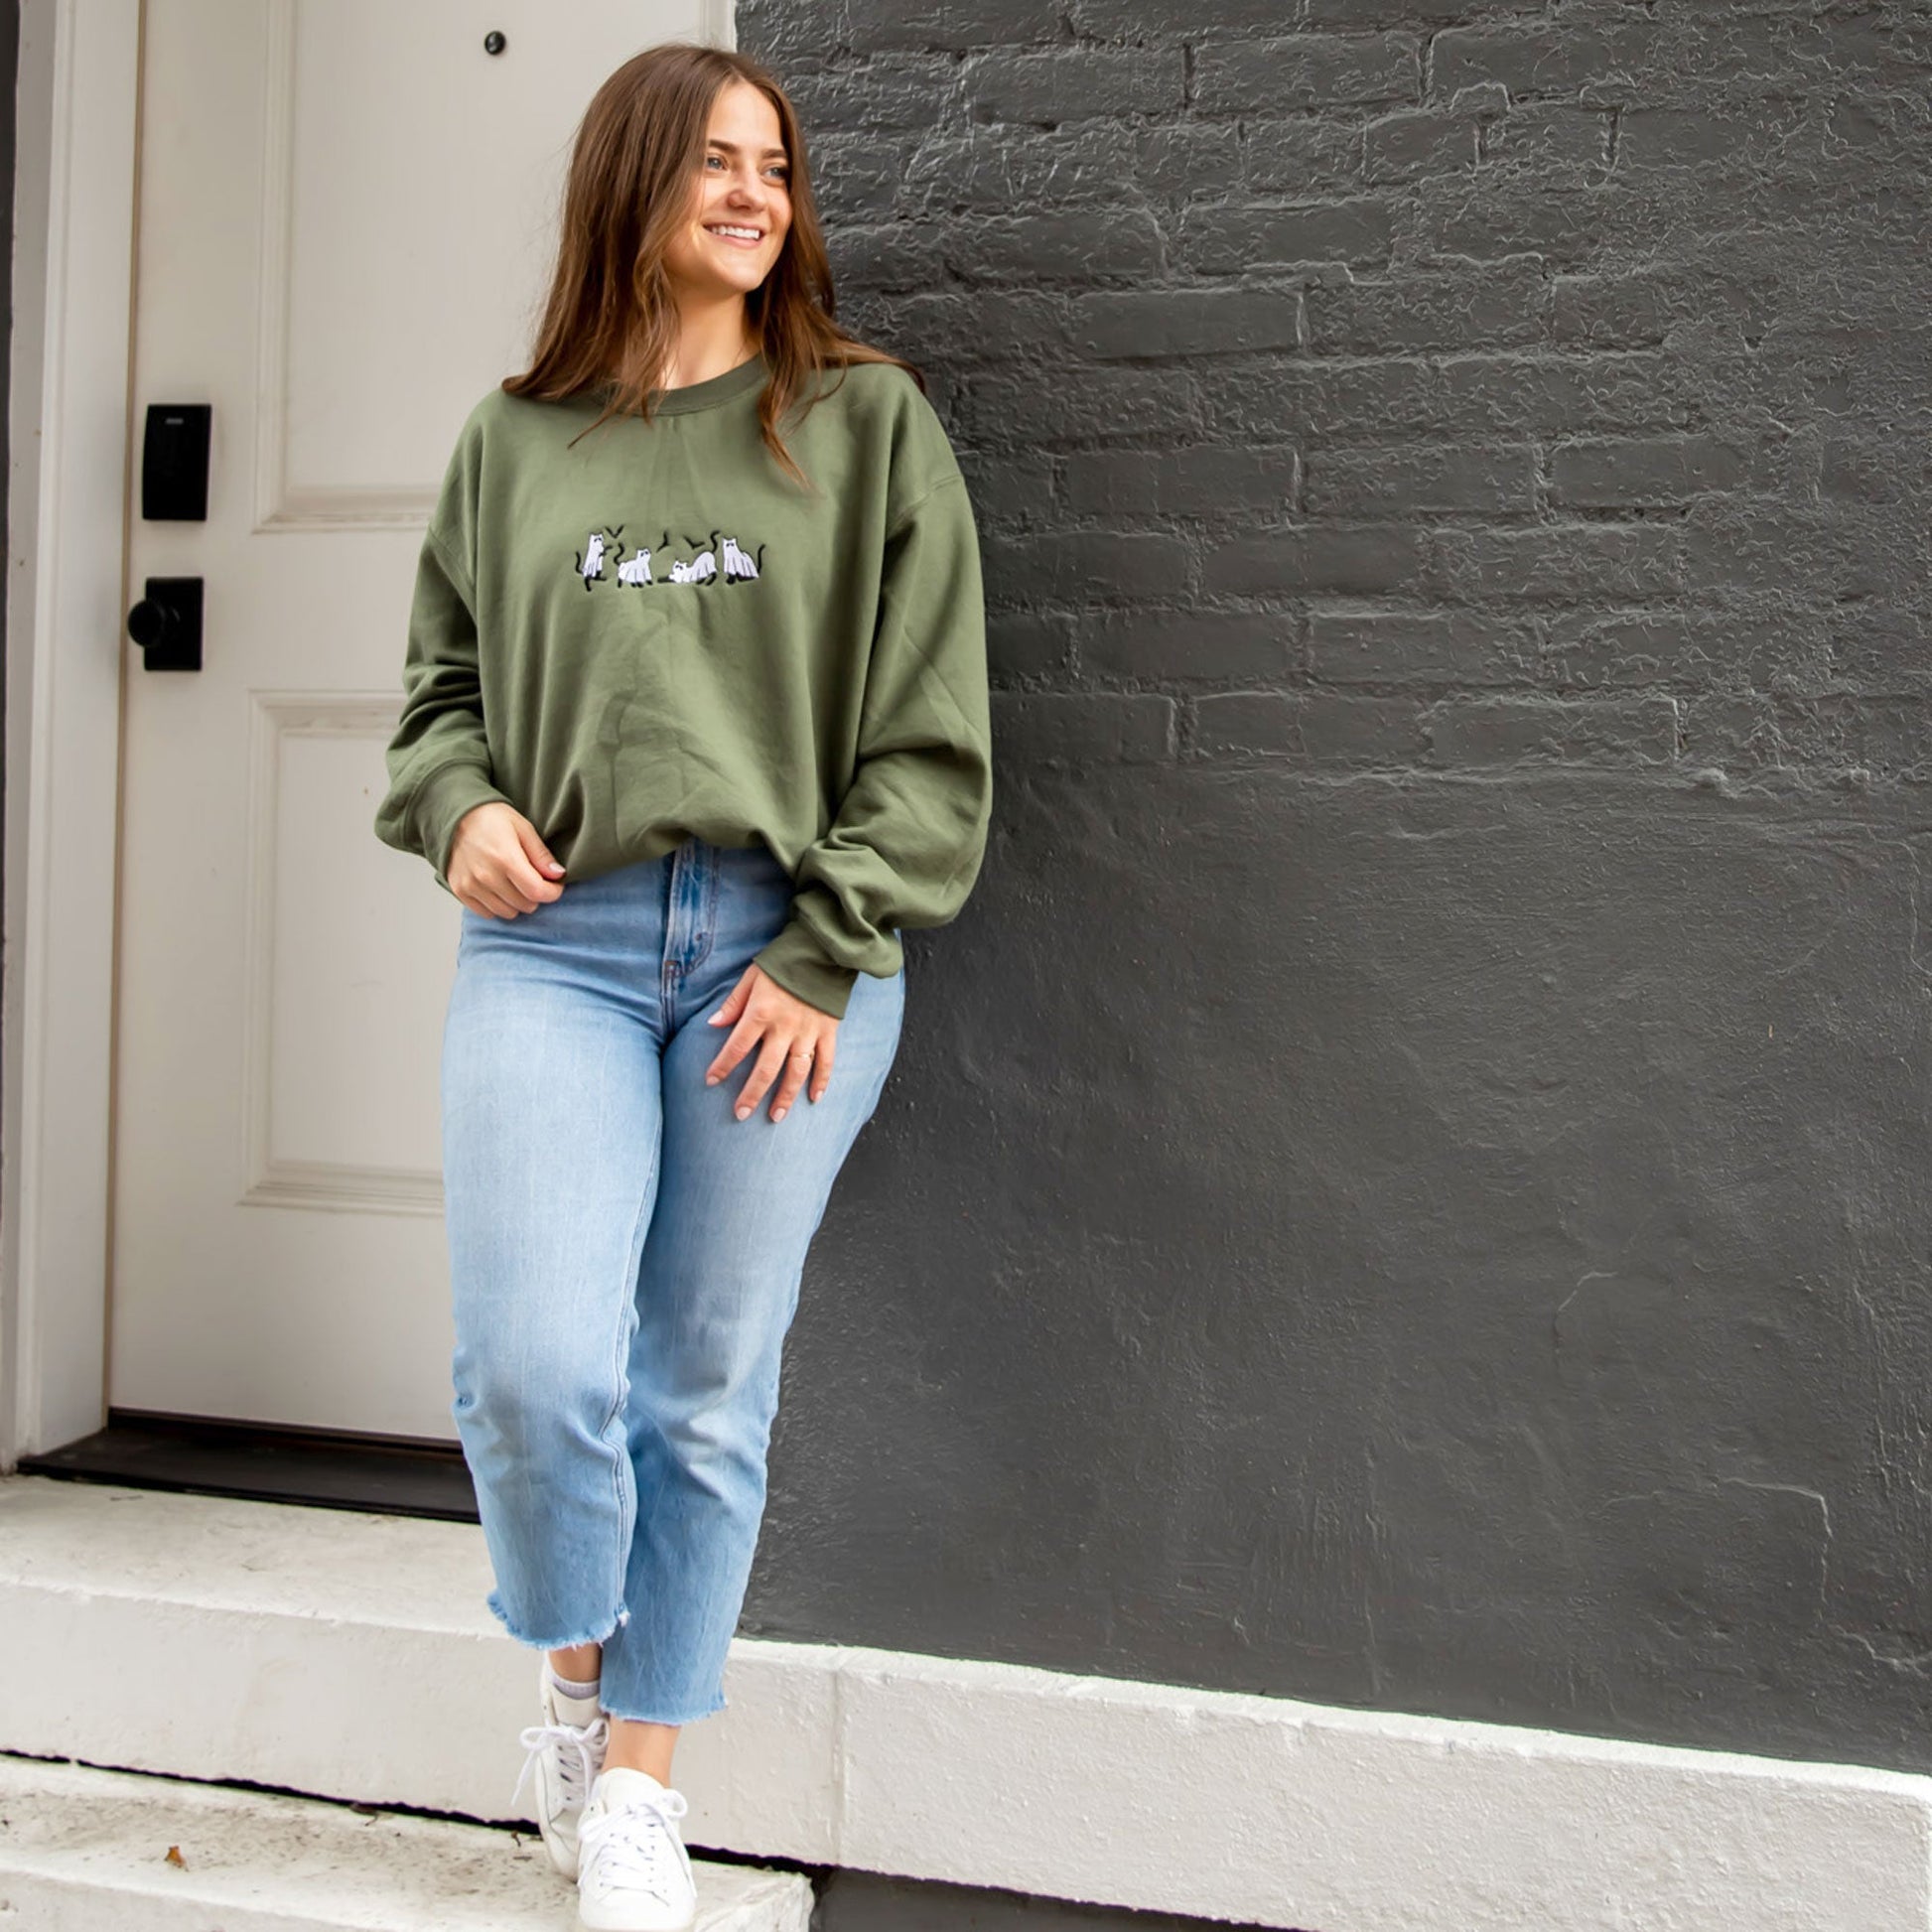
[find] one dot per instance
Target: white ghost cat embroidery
(634, 571)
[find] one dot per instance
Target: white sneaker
(566, 1757)
(634, 1875)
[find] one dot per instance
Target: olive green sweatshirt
(655, 631)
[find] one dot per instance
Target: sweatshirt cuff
(441, 801)
(801, 966)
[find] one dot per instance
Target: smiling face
(741, 201)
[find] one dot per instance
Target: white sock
(569, 1689)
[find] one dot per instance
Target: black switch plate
(173, 461)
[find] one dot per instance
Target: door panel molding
(273, 1179)
(281, 505)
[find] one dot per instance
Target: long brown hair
(632, 172)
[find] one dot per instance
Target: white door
(345, 217)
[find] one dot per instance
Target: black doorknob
(167, 624)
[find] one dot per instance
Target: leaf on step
(175, 1856)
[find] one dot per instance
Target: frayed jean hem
(652, 1718)
(495, 1602)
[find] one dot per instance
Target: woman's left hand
(798, 1039)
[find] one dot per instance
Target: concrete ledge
(1263, 1810)
(88, 1851)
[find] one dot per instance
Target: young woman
(695, 722)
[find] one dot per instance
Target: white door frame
(68, 649)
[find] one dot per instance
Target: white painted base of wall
(322, 1625)
(85, 1851)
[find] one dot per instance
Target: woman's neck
(711, 340)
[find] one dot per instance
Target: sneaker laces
(635, 1842)
(578, 1747)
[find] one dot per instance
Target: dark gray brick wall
(1410, 1184)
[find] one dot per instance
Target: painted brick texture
(1409, 1184)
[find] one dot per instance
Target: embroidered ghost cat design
(634, 571)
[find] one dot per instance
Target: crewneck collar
(745, 378)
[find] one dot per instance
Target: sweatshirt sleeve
(439, 757)
(906, 844)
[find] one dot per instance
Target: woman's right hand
(497, 864)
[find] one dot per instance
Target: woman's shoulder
(882, 391)
(503, 433)
(880, 378)
(888, 409)
(498, 409)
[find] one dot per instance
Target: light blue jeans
(626, 1256)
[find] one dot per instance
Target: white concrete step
(91, 1850)
(350, 1657)
(343, 1655)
